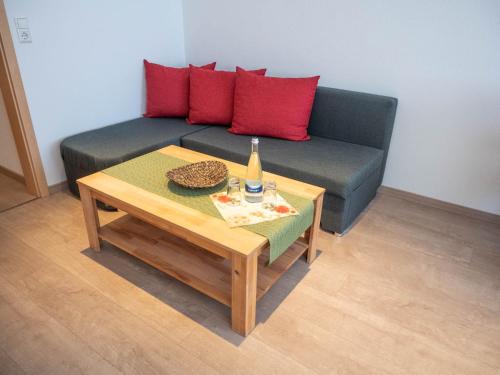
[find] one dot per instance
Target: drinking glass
(233, 189)
(270, 192)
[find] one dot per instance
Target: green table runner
(148, 172)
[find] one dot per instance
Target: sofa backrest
(354, 117)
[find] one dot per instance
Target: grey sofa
(350, 137)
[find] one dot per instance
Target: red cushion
(273, 107)
(211, 95)
(259, 72)
(167, 90)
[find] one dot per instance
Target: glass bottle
(253, 180)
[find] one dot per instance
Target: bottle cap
(255, 140)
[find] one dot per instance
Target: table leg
(313, 231)
(244, 293)
(91, 217)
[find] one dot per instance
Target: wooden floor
(409, 290)
(12, 193)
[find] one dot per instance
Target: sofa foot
(345, 231)
(106, 207)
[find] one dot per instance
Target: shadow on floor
(195, 305)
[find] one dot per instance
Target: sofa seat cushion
(100, 148)
(339, 167)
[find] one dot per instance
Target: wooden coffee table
(227, 264)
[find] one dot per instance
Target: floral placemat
(239, 212)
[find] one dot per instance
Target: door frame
(16, 104)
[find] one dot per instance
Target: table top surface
(239, 240)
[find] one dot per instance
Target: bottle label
(253, 189)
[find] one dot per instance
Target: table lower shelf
(202, 270)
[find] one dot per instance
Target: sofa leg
(106, 207)
(345, 230)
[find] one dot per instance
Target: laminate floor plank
(12, 193)
(126, 342)
(409, 289)
(8, 366)
(38, 344)
(148, 294)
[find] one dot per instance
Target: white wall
(441, 59)
(8, 153)
(84, 67)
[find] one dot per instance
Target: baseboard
(436, 203)
(16, 176)
(59, 187)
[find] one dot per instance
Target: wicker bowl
(199, 175)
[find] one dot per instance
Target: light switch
(24, 35)
(21, 23)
